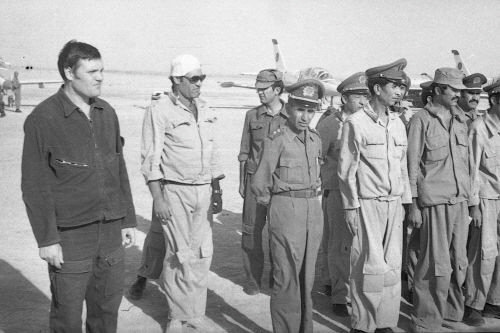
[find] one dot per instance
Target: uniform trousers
(153, 251)
(337, 241)
(376, 265)
(295, 227)
(254, 220)
(441, 267)
(482, 252)
(92, 271)
(189, 249)
(17, 95)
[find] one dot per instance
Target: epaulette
(276, 133)
(157, 95)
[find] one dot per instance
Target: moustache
(474, 100)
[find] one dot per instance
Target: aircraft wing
(231, 84)
(40, 83)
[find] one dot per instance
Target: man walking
(77, 194)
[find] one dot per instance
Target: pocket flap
(462, 139)
(375, 141)
(288, 163)
(437, 141)
(115, 257)
(207, 250)
(400, 141)
(247, 229)
(75, 267)
(490, 153)
(256, 126)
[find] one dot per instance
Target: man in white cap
(181, 166)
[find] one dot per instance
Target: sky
(233, 36)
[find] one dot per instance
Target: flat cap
(183, 64)
(354, 83)
(474, 81)
(450, 76)
(308, 92)
(267, 77)
(392, 71)
(493, 88)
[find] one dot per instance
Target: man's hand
(476, 216)
(52, 254)
(351, 218)
(415, 216)
(160, 209)
(128, 237)
(216, 197)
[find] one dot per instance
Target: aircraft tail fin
(460, 63)
(278, 57)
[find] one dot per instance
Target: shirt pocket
(490, 159)
(291, 171)
(375, 148)
(399, 147)
(258, 130)
(463, 145)
(437, 148)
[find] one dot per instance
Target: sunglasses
(195, 79)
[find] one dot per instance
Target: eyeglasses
(195, 79)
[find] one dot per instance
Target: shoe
(18, 111)
(384, 330)
(136, 290)
(174, 326)
(251, 288)
(473, 317)
(353, 330)
(2, 115)
(491, 311)
(327, 290)
(340, 310)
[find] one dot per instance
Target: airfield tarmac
(24, 284)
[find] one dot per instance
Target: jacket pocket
(490, 159)
(375, 148)
(399, 147)
(115, 272)
(70, 281)
(258, 129)
(437, 148)
(291, 171)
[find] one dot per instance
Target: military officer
(438, 166)
(469, 97)
(259, 123)
(374, 185)
(482, 250)
(287, 179)
(337, 239)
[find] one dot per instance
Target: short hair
(495, 96)
(377, 80)
(74, 51)
(279, 84)
(442, 87)
(424, 95)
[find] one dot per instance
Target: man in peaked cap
(374, 184)
(337, 239)
(287, 181)
(470, 97)
(259, 123)
(438, 166)
(482, 284)
(183, 180)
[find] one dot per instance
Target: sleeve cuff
(242, 157)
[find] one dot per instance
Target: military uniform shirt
(289, 162)
(372, 162)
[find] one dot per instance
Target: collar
(374, 116)
(175, 99)
(69, 107)
(292, 135)
(456, 111)
(262, 109)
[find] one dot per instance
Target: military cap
(267, 77)
(406, 81)
(474, 81)
(450, 76)
(308, 92)
(391, 72)
(354, 83)
(183, 64)
(493, 88)
(426, 85)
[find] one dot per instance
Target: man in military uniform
(482, 250)
(259, 123)
(438, 166)
(337, 239)
(181, 166)
(374, 185)
(287, 179)
(469, 97)
(16, 89)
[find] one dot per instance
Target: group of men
(16, 99)
(374, 172)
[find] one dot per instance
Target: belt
(165, 182)
(299, 193)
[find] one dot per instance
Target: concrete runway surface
(24, 284)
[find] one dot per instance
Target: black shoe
(327, 290)
(473, 317)
(384, 330)
(340, 310)
(136, 290)
(251, 288)
(491, 311)
(353, 330)
(18, 110)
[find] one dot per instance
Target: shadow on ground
(23, 307)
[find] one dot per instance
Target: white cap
(183, 64)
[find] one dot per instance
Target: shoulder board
(313, 130)
(276, 133)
